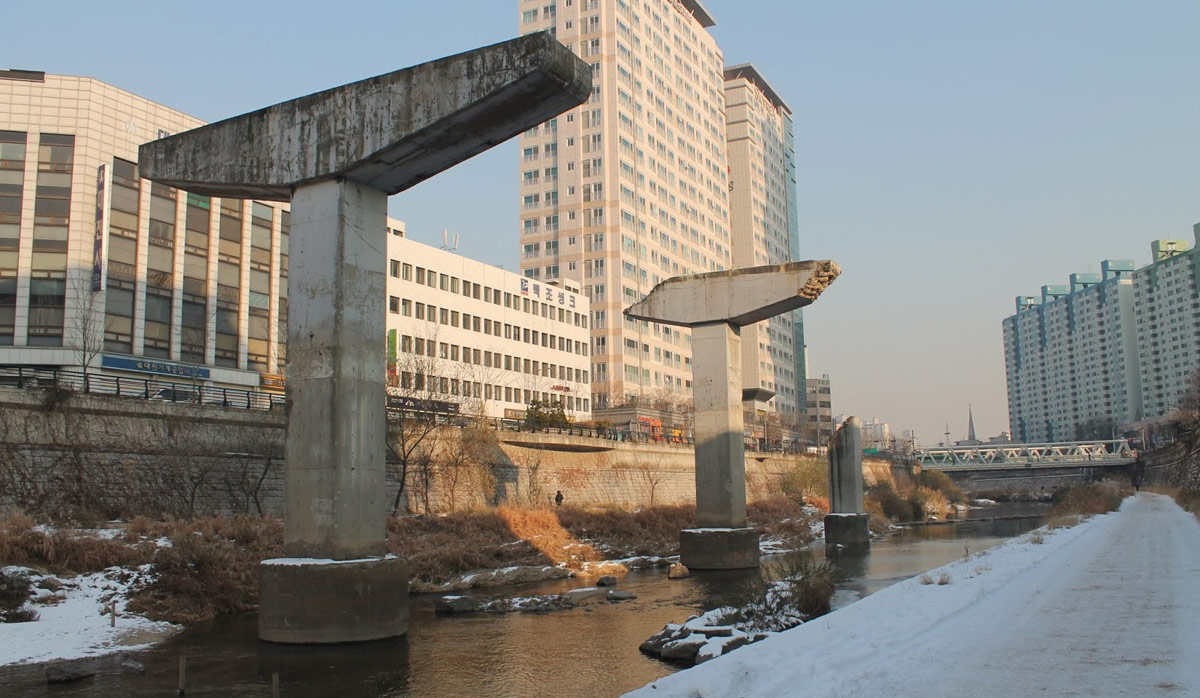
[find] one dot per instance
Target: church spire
(970, 425)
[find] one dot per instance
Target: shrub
(15, 590)
(940, 482)
(1092, 498)
(925, 502)
(63, 550)
(210, 568)
(893, 505)
(925, 579)
(944, 578)
(808, 478)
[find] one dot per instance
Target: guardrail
(151, 389)
(998, 454)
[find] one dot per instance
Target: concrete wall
(67, 455)
(1032, 479)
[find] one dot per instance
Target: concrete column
(845, 469)
(720, 449)
(335, 490)
(847, 522)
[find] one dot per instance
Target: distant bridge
(1003, 456)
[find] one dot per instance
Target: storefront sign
(411, 404)
(163, 368)
(271, 380)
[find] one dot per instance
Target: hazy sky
(950, 155)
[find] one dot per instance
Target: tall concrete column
(720, 446)
(847, 522)
(336, 500)
(337, 155)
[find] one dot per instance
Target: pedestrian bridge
(1113, 452)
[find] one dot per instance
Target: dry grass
(210, 568)
(440, 548)
(649, 531)
(925, 579)
(783, 519)
(1093, 498)
(1037, 538)
(64, 551)
(944, 578)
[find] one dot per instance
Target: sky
(950, 155)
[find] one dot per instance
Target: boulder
(678, 571)
(606, 581)
(457, 604)
(618, 595)
(66, 672)
(654, 644)
(683, 649)
(583, 595)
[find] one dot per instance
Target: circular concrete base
(313, 601)
(718, 548)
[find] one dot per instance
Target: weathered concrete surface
(388, 132)
(720, 448)
(337, 155)
(845, 469)
(328, 601)
(847, 529)
(718, 548)
(736, 296)
(337, 427)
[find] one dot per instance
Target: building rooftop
(750, 72)
(698, 11)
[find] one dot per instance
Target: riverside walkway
(1110, 607)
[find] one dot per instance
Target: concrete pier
(846, 523)
(337, 155)
(715, 306)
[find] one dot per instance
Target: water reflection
(589, 651)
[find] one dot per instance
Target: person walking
(558, 498)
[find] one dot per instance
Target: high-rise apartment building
(762, 208)
(1109, 349)
(818, 429)
(632, 187)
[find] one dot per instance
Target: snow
(1108, 607)
(80, 625)
(319, 561)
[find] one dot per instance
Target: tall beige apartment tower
(762, 207)
(632, 187)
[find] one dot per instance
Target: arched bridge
(997, 456)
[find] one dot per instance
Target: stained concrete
(388, 132)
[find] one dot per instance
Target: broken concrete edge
(686, 301)
(265, 154)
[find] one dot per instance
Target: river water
(589, 651)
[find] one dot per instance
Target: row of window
(406, 307)
(431, 348)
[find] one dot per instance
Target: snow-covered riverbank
(1108, 607)
(75, 619)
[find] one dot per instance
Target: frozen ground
(1108, 608)
(79, 626)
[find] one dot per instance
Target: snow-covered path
(1108, 608)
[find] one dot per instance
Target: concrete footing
(847, 529)
(718, 548)
(313, 601)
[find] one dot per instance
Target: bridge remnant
(715, 306)
(846, 523)
(337, 155)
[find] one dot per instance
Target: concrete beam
(737, 296)
(387, 132)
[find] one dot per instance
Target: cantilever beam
(388, 132)
(738, 296)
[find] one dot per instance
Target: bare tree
(87, 315)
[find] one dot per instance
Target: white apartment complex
(1166, 300)
(762, 184)
(1117, 347)
(480, 339)
(632, 187)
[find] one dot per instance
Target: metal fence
(151, 389)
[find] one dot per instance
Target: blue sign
(165, 368)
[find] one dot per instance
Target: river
(590, 651)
